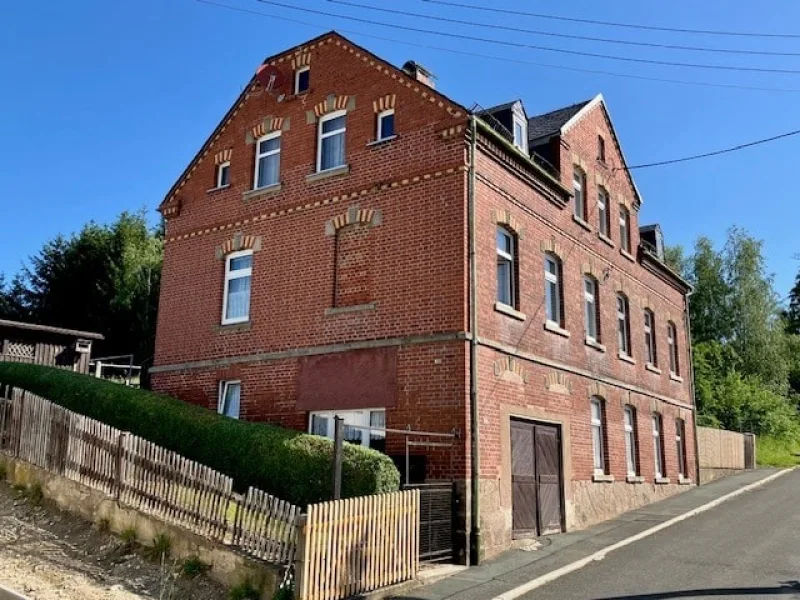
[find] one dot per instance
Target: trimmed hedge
(292, 465)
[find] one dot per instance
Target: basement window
(230, 395)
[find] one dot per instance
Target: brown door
(535, 478)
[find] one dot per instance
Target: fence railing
(146, 477)
(357, 545)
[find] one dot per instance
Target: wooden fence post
(18, 432)
(118, 466)
(300, 557)
(338, 447)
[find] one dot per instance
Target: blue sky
(104, 103)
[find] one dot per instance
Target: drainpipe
(692, 390)
(475, 530)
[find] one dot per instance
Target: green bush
(194, 567)
(777, 452)
(244, 591)
(161, 548)
(289, 464)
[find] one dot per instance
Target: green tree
(676, 259)
(709, 305)
(792, 314)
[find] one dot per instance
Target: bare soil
(49, 554)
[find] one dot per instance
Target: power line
(507, 59)
(616, 24)
(532, 46)
(715, 153)
(564, 35)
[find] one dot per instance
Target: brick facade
(371, 260)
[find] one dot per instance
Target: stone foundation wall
(708, 474)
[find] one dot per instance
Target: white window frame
(321, 136)
(590, 308)
(353, 415)
(598, 449)
(680, 446)
(624, 228)
(672, 342)
(222, 393)
(264, 138)
(503, 256)
(579, 189)
(629, 424)
(623, 325)
(231, 275)
(522, 143)
(604, 222)
(297, 73)
(220, 168)
(553, 279)
(650, 337)
(381, 115)
(658, 454)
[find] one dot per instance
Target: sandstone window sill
(606, 240)
(219, 188)
(634, 479)
(596, 345)
(381, 141)
(554, 328)
(510, 311)
(626, 358)
(652, 368)
(662, 480)
(233, 327)
(339, 310)
(684, 480)
(627, 254)
(581, 222)
(602, 478)
(676, 378)
(336, 172)
(262, 191)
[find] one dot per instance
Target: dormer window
(302, 78)
(520, 133)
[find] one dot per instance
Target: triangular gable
(332, 37)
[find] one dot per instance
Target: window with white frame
(624, 228)
(680, 435)
(229, 399)
(631, 441)
(658, 446)
(302, 78)
(331, 142)
(591, 312)
(598, 435)
(506, 267)
(385, 125)
(223, 174)
(601, 149)
(623, 325)
(268, 160)
(672, 341)
(579, 189)
(236, 295)
(603, 220)
(365, 427)
(520, 133)
(553, 290)
(650, 337)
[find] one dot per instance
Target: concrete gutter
(8, 594)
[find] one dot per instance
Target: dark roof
(499, 107)
(48, 329)
(552, 122)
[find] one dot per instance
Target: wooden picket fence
(358, 545)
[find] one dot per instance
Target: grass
(162, 545)
(35, 493)
(193, 567)
(129, 536)
(774, 452)
(244, 591)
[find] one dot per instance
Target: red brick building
(354, 242)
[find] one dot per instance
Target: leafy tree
(12, 299)
(676, 259)
(792, 314)
(709, 305)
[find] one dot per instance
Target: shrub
(162, 546)
(244, 591)
(3, 471)
(129, 536)
(104, 525)
(35, 493)
(289, 464)
(193, 567)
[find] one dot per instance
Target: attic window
(520, 133)
(302, 77)
(601, 149)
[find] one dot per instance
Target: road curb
(7, 594)
(601, 554)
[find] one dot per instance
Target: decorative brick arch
(303, 59)
(267, 125)
(504, 217)
(238, 242)
(511, 369)
(553, 247)
(597, 389)
(384, 103)
(330, 104)
(354, 215)
(223, 156)
(591, 269)
(557, 382)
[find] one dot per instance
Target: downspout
(692, 390)
(475, 523)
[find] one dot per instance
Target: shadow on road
(786, 587)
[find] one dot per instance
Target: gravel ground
(48, 554)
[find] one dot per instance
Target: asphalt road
(748, 547)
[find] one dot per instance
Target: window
(672, 341)
(601, 149)
(603, 217)
(330, 147)
(520, 134)
(624, 228)
(658, 446)
(236, 295)
(506, 267)
(268, 160)
(623, 326)
(385, 125)
(598, 435)
(591, 310)
(650, 337)
(230, 393)
(680, 435)
(223, 174)
(553, 290)
(579, 187)
(357, 424)
(631, 443)
(302, 77)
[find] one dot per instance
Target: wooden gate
(536, 478)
